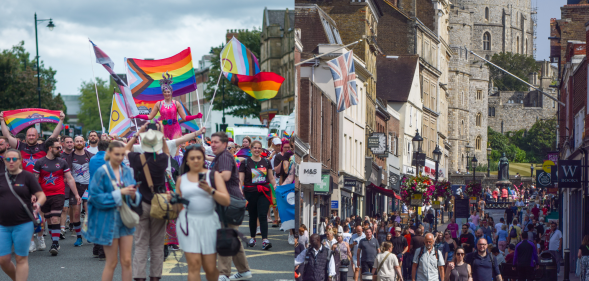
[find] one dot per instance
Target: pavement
(76, 263)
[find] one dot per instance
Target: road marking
(267, 253)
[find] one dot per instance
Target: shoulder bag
(235, 212)
(130, 219)
(35, 221)
(381, 263)
(228, 243)
(160, 206)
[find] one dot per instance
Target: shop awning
(383, 191)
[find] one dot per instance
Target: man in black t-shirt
(68, 149)
(466, 239)
(508, 214)
(400, 246)
(225, 164)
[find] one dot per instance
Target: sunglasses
(11, 159)
(57, 147)
(460, 254)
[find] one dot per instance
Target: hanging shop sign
(310, 173)
(436, 205)
(323, 185)
(461, 208)
(377, 142)
(569, 173)
(473, 200)
(543, 179)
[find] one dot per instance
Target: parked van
(255, 132)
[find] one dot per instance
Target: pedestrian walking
(16, 213)
(457, 269)
(583, 256)
(342, 255)
(355, 239)
(484, 266)
(95, 163)
(368, 248)
(555, 244)
(466, 239)
(318, 262)
(451, 244)
(428, 262)
(525, 259)
(256, 180)
(112, 186)
(387, 266)
(199, 222)
(224, 164)
(501, 237)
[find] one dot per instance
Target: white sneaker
(41, 244)
(32, 247)
(223, 278)
(241, 276)
(258, 231)
(291, 239)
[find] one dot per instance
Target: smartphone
(201, 176)
(138, 184)
(151, 126)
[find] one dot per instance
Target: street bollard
(567, 266)
(343, 271)
(366, 276)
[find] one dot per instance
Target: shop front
(375, 202)
(322, 199)
(347, 195)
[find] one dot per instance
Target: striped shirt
(226, 162)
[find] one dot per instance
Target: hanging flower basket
(417, 185)
(473, 190)
(443, 189)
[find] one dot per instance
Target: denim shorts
(19, 236)
(120, 229)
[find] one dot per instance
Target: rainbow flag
(18, 119)
(262, 86)
(240, 66)
(143, 76)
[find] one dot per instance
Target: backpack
(421, 253)
(513, 232)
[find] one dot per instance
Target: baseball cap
(276, 141)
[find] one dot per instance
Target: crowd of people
(103, 191)
(389, 248)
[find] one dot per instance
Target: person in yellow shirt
(518, 233)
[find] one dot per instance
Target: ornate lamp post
(489, 161)
(437, 155)
(417, 141)
(474, 166)
(50, 26)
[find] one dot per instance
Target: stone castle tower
(485, 27)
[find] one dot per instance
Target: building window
(478, 119)
(526, 47)
(479, 94)
(462, 131)
(517, 45)
(491, 111)
(478, 142)
(487, 41)
(487, 13)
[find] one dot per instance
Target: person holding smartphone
(112, 186)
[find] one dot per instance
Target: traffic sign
(473, 200)
(436, 205)
(416, 200)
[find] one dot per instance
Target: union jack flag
(344, 80)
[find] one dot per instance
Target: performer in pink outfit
(169, 109)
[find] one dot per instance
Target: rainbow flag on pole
(240, 66)
(18, 119)
(143, 76)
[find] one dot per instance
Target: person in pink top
(169, 110)
(475, 218)
(453, 227)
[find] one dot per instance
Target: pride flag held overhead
(18, 119)
(143, 76)
(240, 66)
(120, 123)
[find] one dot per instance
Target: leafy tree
(498, 141)
(236, 102)
(88, 115)
(541, 139)
(517, 64)
(18, 83)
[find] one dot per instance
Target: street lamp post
(474, 166)
(417, 141)
(489, 161)
(50, 26)
(437, 154)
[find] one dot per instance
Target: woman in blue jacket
(112, 186)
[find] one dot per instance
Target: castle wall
(522, 113)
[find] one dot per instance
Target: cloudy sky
(132, 29)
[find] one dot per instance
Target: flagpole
(316, 57)
(127, 78)
(197, 96)
(95, 87)
(217, 86)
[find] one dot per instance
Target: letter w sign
(569, 173)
